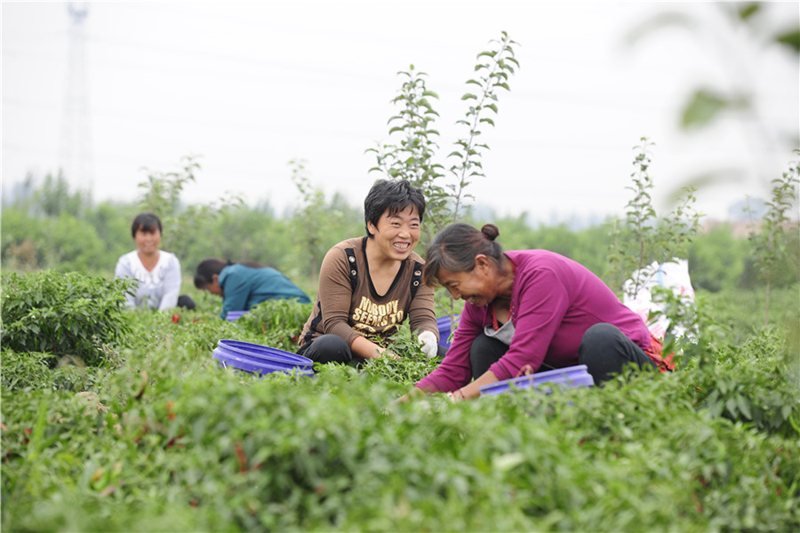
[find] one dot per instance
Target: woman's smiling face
(397, 235)
(478, 286)
(147, 242)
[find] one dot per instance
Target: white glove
(429, 344)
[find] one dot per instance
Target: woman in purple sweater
(526, 311)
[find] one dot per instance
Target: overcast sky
(250, 86)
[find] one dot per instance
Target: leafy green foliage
(644, 237)
(748, 9)
(32, 370)
(790, 39)
(279, 321)
(717, 259)
(704, 106)
(412, 364)
(162, 195)
(414, 158)
(770, 243)
(687, 317)
(733, 309)
(170, 441)
(65, 314)
(761, 396)
(63, 242)
(313, 220)
(588, 247)
(20, 235)
(52, 197)
(242, 235)
(493, 70)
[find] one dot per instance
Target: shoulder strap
(416, 278)
(353, 266)
(416, 275)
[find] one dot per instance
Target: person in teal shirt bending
(243, 285)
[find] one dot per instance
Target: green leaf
(748, 9)
(744, 406)
(469, 96)
(508, 461)
(703, 107)
(791, 39)
(730, 405)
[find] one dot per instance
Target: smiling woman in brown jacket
(369, 285)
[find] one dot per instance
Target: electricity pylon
(76, 138)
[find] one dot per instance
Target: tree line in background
(53, 228)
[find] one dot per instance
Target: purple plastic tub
(258, 359)
(569, 377)
(445, 330)
(232, 316)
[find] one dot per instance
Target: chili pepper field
(150, 434)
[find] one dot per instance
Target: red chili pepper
(241, 457)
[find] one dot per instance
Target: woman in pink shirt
(526, 311)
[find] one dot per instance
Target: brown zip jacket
(347, 304)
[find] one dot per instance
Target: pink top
(554, 301)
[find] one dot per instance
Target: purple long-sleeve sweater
(554, 300)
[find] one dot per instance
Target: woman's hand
(473, 390)
(456, 396)
(367, 349)
(429, 344)
(413, 393)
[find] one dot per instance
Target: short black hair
(146, 222)
(204, 275)
(394, 195)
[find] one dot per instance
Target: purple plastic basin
(258, 359)
(232, 316)
(445, 330)
(569, 377)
